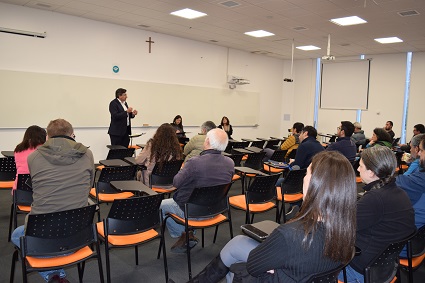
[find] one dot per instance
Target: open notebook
(261, 230)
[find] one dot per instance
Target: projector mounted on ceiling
(234, 81)
(328, 55)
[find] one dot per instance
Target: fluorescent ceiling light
(259, 33)
(188, 13)
(348, 21)
(386, 40)
(308, 47)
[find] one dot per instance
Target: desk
(281, 139)
(263, 139)
(243, 151)
(248, 140)
(8, 153)
(226, 154)
(130, 160)
(326, 136)
(115, 146)
(254, 149)
(114, 163)
(132, 186)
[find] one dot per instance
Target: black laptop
(261, 230)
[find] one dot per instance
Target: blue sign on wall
(115, 69)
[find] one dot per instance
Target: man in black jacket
(121, 115)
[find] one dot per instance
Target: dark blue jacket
(346, 146)
(305, 152)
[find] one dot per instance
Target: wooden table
(132, 186)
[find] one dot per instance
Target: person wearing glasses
(343, 143)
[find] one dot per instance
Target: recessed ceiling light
(386, 40)
(259, 33)
(308, 47)
(188, 13)
(348, 21)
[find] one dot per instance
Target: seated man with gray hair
(210, 168)
(358, 137)
(414, 154)
(196, 144)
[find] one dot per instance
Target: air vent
(344, 44)
(299, 28)
(43, 5)
(262, 52)
(213, 40)
(143, 26)
(230, 4)
(408, 13)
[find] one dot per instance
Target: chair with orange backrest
(103, 192)
(237, 158)
(7, 172)
(291, 189)
(161, 178)
(56, 240)
(131, 223)
(272, 143)
(259, 197)
(415, 252)
(208, 205)
(22, 200)
(385, 267)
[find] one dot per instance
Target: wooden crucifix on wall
(150, 43)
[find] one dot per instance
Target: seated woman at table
(34, 137)
(225, 125)
(164, 146)
(178, 126)
(384, 213)
(320, 237)
(380, 137)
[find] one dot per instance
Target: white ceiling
(225, 26)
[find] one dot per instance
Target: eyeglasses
(338, 128)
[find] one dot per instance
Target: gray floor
(149, 269)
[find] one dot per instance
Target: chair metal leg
(99, 262)
(136, 252)
(164, 255)
(80, 272)
(189, 265)
(108, 264)
(12, 269)
(202, 237)
(252, 218)
(12, 210)
(215, 233)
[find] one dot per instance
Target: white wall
(78, 46)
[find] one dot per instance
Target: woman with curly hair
(380, 137)
(34, 137)
(163, 147)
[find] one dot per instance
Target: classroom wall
(82, 47)
(386, 95)
(77, 46)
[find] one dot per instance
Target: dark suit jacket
(118, 126)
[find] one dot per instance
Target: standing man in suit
(121, 115)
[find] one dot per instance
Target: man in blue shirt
(343, 143)
(308, 147)
(414, 150)
(414, 185)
